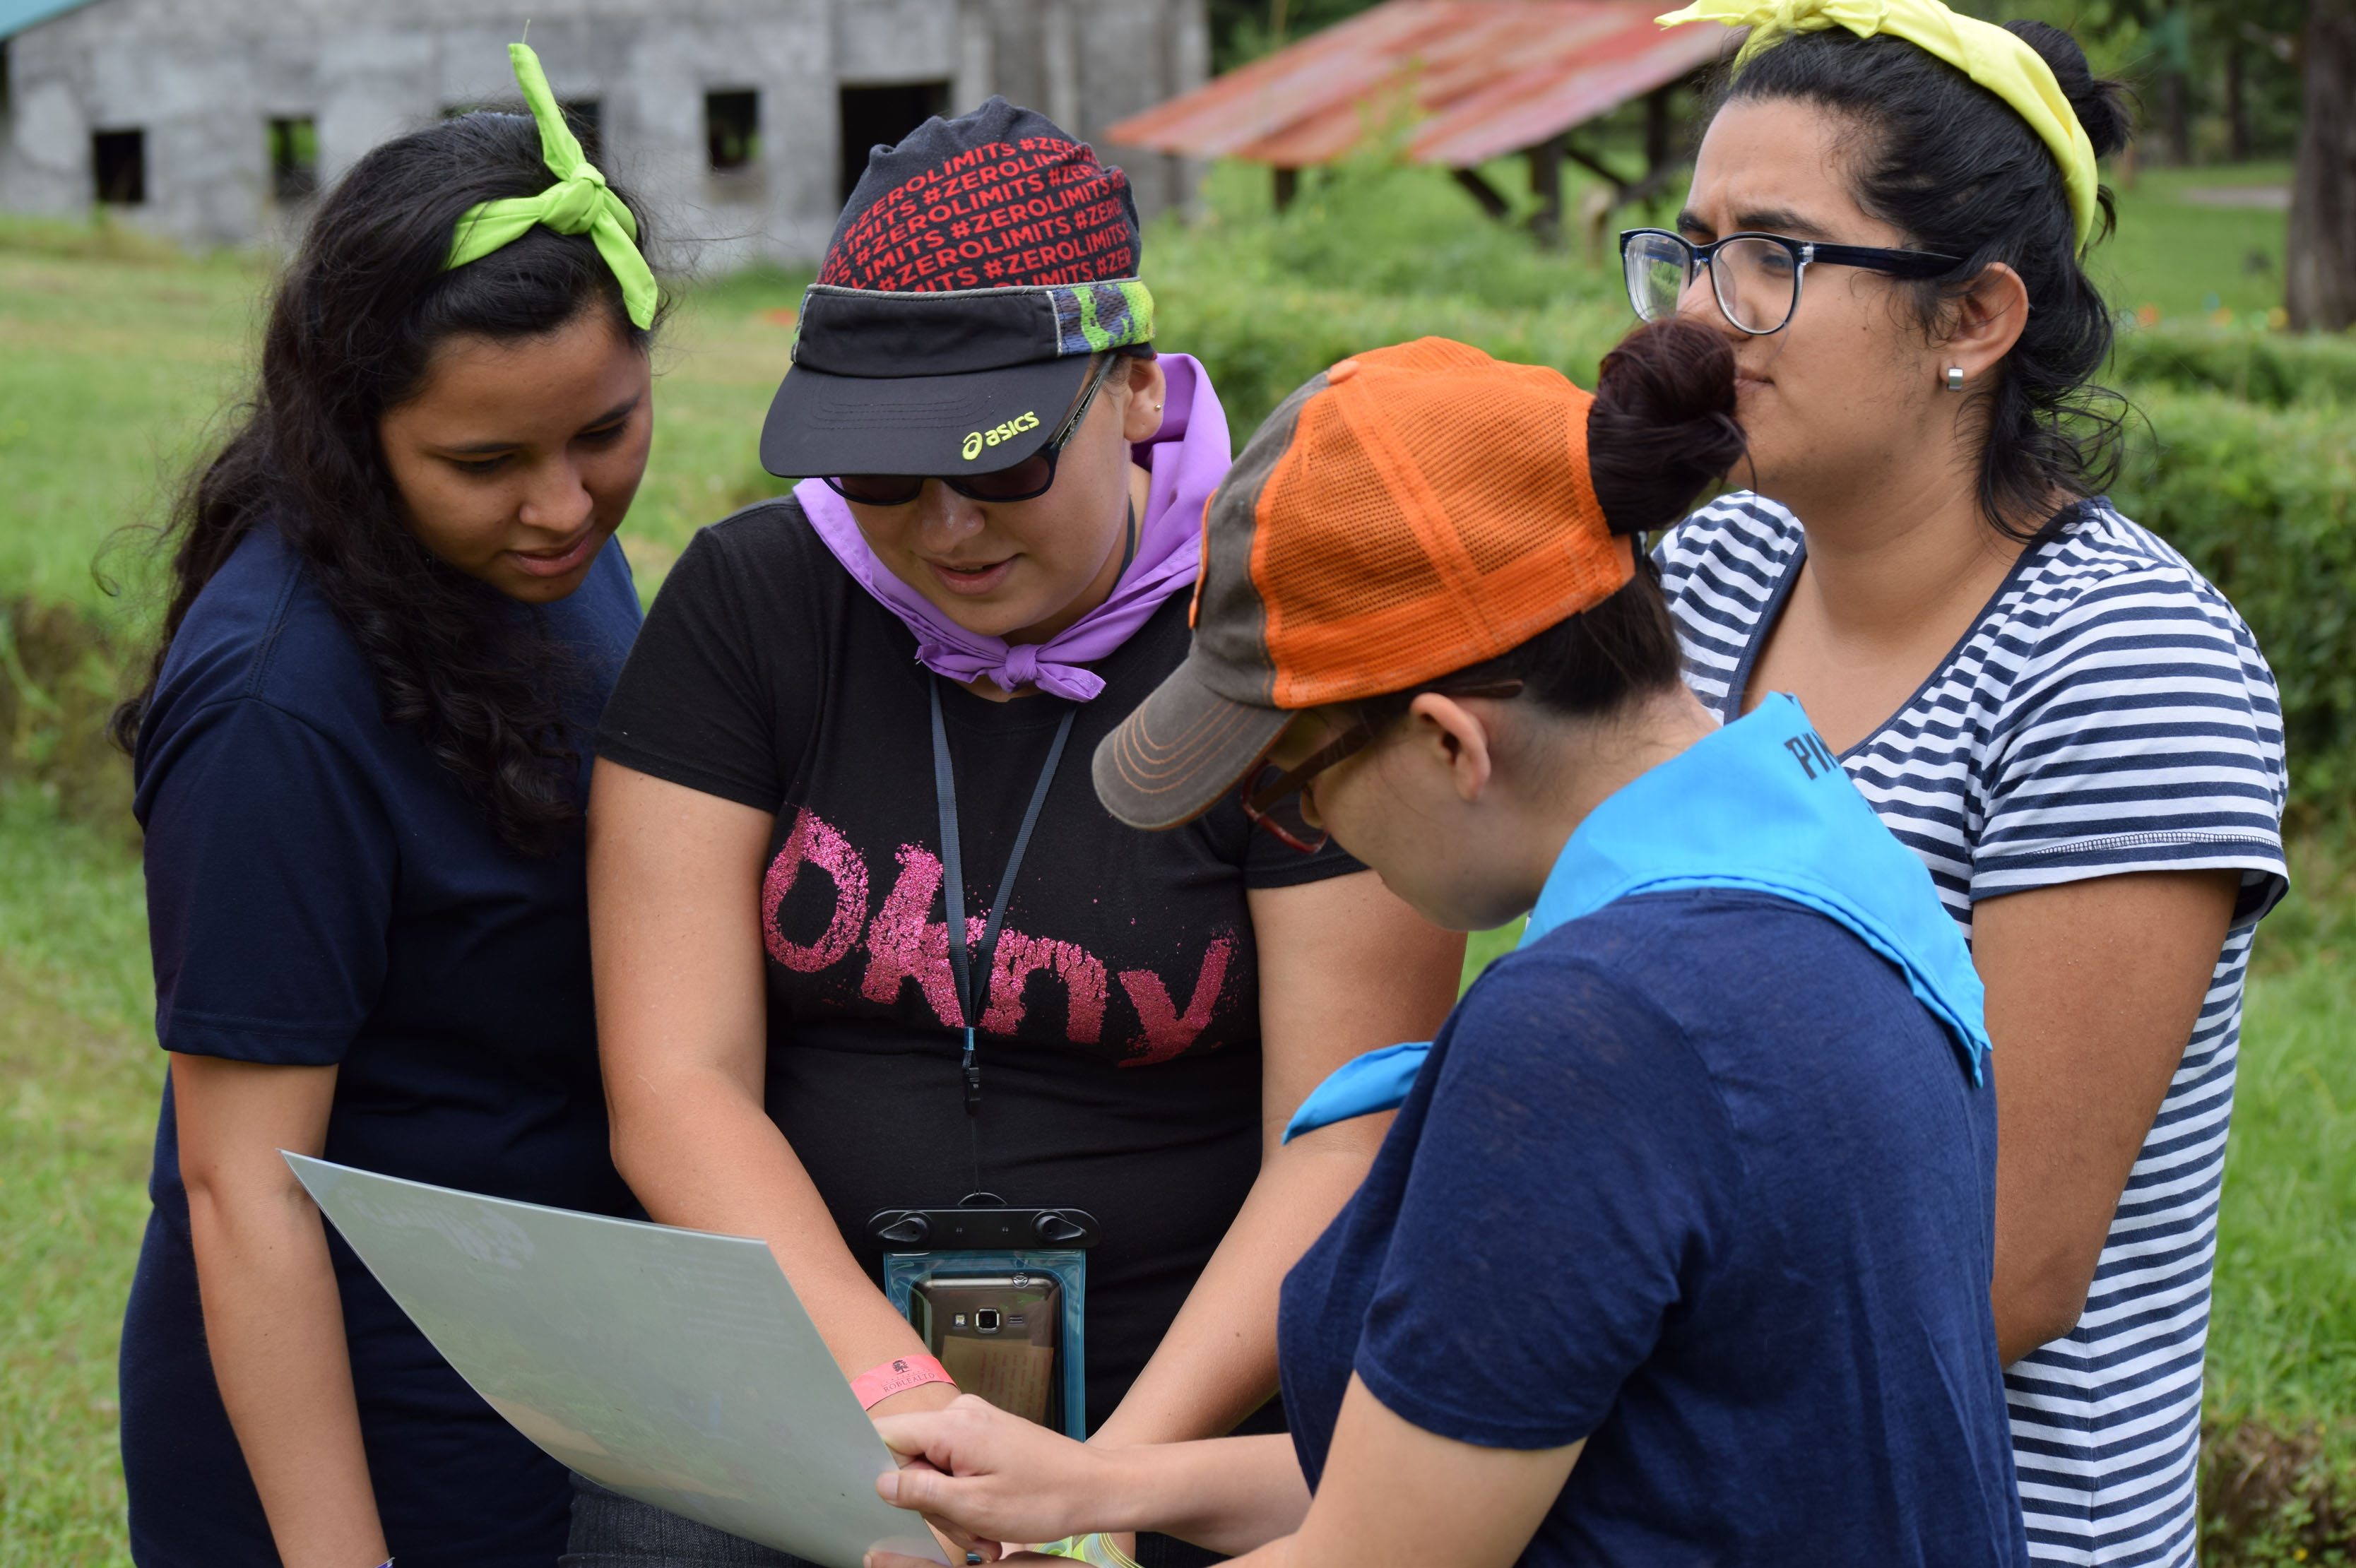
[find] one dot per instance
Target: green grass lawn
(79, 1077)
(2173, 260)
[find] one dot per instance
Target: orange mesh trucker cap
(1408, 512)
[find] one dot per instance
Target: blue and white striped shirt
(2108, 713)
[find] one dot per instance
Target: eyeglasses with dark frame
(1271, 794)
(1755, 278)
(1026, 481)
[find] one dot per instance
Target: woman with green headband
(2073, 728)
(361, 755)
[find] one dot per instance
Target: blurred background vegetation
(2216, 76)
(119, 357)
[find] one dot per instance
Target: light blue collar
(1762, 804)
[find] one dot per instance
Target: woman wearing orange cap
(2073, 730)
(1678, 1249)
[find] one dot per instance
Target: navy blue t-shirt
(322, 891)
(1694, 1179)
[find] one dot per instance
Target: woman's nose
(1698, 304)
(557, 500)
(943, 518)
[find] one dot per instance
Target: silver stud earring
(1954, 377)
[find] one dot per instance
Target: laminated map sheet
(676, 1367)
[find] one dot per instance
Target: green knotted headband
(578, 203)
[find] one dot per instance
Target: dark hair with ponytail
(1954, 168)
(360, 309)
(1661, 431)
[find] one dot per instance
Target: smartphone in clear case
(998, 1335)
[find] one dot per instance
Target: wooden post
(1288, 186)
(1656, 128)
(1482, 191)
(1546, 183)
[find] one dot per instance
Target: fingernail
(973, 1560)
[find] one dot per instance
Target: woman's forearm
(682, 1012)
(999, 1478)
(276, 1327)
(701, 1152)
(1217, 1363)
(1228, 1495)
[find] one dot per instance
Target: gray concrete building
(741, 122)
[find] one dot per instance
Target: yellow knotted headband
(1997, 59)
(578, 203)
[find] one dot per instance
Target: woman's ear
(1148, 390)
(1985, 322)
(1446, 732)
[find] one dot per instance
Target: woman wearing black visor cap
(991, 567)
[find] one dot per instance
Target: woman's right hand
(973, 1470)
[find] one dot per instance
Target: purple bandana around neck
(1187, 457)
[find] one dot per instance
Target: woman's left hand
(975, 1471)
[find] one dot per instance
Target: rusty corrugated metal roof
(1467, 79)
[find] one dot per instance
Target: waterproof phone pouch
(1007, 1323)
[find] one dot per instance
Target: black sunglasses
(1755, 277)
(1027, 480)
(1271, 794)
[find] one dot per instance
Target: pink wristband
(877, 1384)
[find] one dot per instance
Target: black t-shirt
(1119, 1037)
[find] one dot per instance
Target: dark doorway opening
(584, 117)
(294, 159)
(731, 129)
(118, 163)
(873, 116)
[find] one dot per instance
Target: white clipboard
(676, 1367)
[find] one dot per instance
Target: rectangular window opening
(584, 117)
(873, 116)
(294, 159)
(118, 161)
(731, 129)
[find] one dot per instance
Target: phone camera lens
(986, 1320)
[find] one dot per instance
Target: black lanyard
(972, 977)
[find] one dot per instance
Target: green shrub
(2261, 500)
(62, 673)
(1261, 343)
(1369, 254)
(2278, 369)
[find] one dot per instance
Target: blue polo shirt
(322, 893)
(1701, 1177)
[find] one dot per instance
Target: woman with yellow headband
(361, 755)
(2074, 730)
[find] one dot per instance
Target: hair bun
(1661, 426)
(2101, 106)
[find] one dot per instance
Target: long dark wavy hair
(358, 314)
(1958, 172)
